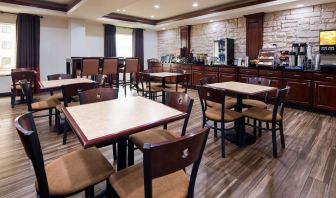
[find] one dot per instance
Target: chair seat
(254, 103)
(261, 114)
(76, 171)
(57, 96)
(229, 104)
(129, 183)
(173, 89)
(152, 136)
(156, 84)
(153, 89)
(45, 104)
(214, 114)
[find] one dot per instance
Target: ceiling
(92, 10)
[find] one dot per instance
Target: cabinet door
(243, 78)
(325, 94)
(226, 77)
(213, 75)
(196, 76)
(300, 91)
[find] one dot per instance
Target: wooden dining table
(48, 85)
(103, 123)
(240, 90)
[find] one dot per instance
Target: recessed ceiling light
(118, 10)
(195, 4)
(163, 28)
(124, 10)
(211, 20)
(299, 5)
(152, 16)
(157, 6)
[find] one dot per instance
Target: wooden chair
(90, 68)
(229, 103)
(181, 84)
(131, 67)
(110, 69)
(178, 101)
(70, 98)
(72, 173)
(146, 87)
(48, 104)
(258, 103)
(216, 115)
(162, 172)
(58, 77)
(18, 76)
(274, 117)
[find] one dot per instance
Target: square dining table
(57, 84)
(241, 89)
(103, 123)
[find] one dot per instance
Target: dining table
(103, 123)
(240, 90)
(49, 85)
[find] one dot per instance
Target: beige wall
(282, 28)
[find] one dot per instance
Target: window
(124, 42)
(7, 47)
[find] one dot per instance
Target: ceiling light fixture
(124, 10)
(211, 20)
(118, 10)
(195, 4)
(157, 6)
(163, 28)
(152, 16)
(299, 5)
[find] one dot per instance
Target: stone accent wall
(299, 25)
(169, 42)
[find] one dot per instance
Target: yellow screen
(328, 38)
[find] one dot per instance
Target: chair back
(71, 90)
(90, 67)
(181, 102)
(260, 81)
(132, 65)
(144, 80)
(27, 91)
(183, 80)
(26, 129)
(18, 76)
(110, 66)
(207, 80)
(183, 151)
(98, 95)
(59, 76)
(279, 105)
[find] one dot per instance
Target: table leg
(122, 147)
(164, 96)
(244, 139)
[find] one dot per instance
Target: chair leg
(13, 100)
(65, 132)
(114, 150)
(108, 189)
(130, 149)
(215, 130)
(255, 128)
(282, 136)
(223, 139)
(275, 152)
(50, 116)
(89, 192)
(260, 130)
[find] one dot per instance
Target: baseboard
(5, 94)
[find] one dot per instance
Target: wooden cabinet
(300, 91)
(226, 77)
(325, 95)
(196, 76)
(254, 34)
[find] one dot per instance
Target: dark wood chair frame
(26, 129)
(112, 78)
(218, 96)
(133, 83)
(279, 107)
(93, 76)
(183, 80)
(144, 80)
(28, 92)
(17, 76)
(183, 151)
(58, 77)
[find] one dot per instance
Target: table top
(164, 74)
(50, 84)
(242, 88)
(101, 123)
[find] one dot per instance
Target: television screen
(328, 37)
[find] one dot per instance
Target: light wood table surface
(101, 124)
(56, 84)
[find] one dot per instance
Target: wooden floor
(306, 168)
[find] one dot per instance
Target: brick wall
(282, 28)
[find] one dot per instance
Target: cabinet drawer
(186, 67)
(212, 69)
(298, 75)
(199, 68)
(227, 70)
(248, 71)
(270, 73)
(325, 77)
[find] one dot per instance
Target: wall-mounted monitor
(328, 42)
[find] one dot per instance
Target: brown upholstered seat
(214, 114)
(254, 103)
(229, 104)
(152, 89)
(75, 171)
(173, 89)
(130, 183)
(45, 104)
(261, 114)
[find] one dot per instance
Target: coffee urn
(295, 48)
(301, 58)
(291, 59)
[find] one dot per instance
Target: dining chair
(70, 98)
(70, 174)
(179, 101)
(131, 67)
(146, 87)
(221, 115)
(18, 76)
(58, 77)
(181, 84)
(110, 70)
(90, 68)
(48, 104)
(274, 117)
(254, 102)
(162, 173)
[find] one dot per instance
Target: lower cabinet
(213, 75)
(325, 95)
(226, 77)
(196, 76)
(300, 92)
